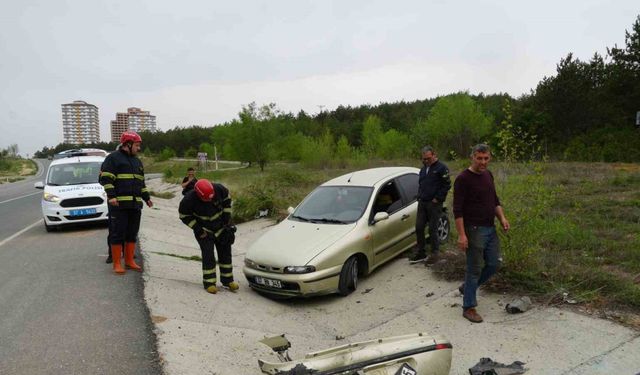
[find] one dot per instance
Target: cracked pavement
(218, 334)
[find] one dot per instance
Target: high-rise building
(134, 119)
(80, 123)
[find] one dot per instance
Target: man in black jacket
(122, 176)
(433, 185)
(207, 211)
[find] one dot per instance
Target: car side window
(388, 199)
(409, 185)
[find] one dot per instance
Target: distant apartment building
(80, 123)
(134, 119)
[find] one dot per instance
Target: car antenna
(350, 177)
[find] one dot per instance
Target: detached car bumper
(292, 285)
(55, 215)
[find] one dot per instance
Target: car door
(390, 236)
(408, 185)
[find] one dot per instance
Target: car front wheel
(348, 277)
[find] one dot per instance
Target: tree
(455, 124)
(254, 133)
(393, 144)
(371, 133)
(515, 144)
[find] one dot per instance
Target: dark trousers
(484, 247)
(428, 213)
(209, 276)
(123, 225)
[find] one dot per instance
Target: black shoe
(461, 289)
(109, 260)
(417, 257)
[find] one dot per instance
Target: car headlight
(249, 263)
(299, 269)
(50, 197)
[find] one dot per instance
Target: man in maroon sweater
(475, 205)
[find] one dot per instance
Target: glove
(228, 235)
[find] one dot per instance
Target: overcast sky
(198, 62)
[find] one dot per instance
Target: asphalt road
(62, 310)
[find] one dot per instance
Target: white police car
(72, 193)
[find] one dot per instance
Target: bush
(168, 173)
(166, 154)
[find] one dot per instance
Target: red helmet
(205, 191)
(130, 136)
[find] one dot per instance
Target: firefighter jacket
(122, 177)
(211, 217)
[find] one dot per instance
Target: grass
(194, 258)
(163, 195)
(574, 230)
(14, 169)
(575, 226)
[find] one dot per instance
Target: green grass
(163, 195)
(575, 229)
(13, 169)
(194, 258)
(574, 226)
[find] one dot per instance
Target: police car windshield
(74, 174)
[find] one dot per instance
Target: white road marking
(24, 196)
(20, 232)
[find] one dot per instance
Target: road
(63, 311)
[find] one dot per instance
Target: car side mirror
(39, 185)
(290, 210)
(379, 216)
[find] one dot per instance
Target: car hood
(295, 243)
(76, 191)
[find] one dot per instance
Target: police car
(72, 193)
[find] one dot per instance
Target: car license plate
(82, 212)
(268, 282)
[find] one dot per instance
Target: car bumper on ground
(55, 215)
(309, 284)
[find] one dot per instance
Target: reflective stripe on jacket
(122, 177)
(206, 216)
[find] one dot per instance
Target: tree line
(585, 112)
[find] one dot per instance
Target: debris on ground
(430, 294)
(518, 305)
(488, 367)
(566, 299)
(367, 290)
(262, 213)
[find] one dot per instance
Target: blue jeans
(484, 246)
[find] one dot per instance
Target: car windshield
(333, 204)
(74, 174)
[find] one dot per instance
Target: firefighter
(207, 211)
(123, 180)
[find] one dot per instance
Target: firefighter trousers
(209, 275)
(123, 225)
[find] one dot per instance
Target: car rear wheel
(348, 277)
(444, 228)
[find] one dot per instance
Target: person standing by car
(122, 177)
(475, 206)
(189, 181)
(207, 211)
(433, 185)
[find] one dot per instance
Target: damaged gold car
(343, 230)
